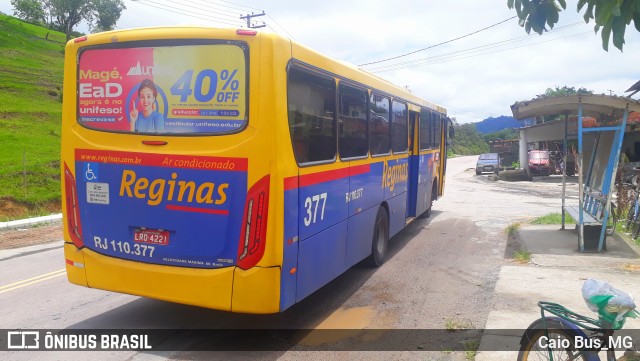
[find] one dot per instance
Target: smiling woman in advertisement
(148, 120)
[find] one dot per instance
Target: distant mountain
(492, 124)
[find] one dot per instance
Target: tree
(65, 15)
(107, 13)
(468, 140)
(612, 16)
(29, 10)
(68, 14)
(565, 90)
(504, 134)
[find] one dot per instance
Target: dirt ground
(28, 236)
(12, 209)
(15, 238)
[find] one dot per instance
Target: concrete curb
(20, 223)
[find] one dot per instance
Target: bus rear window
(180, 90)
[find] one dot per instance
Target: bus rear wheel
(380, 239)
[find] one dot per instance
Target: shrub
(514, 175)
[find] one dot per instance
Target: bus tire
(380, 240)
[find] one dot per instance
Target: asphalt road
(441, 273)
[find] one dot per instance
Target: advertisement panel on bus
(164, 89)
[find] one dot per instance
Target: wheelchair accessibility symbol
(91, 172)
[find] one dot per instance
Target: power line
(498, 51)
(244, 6)
(462, 57)
(220, 8)
(442, 43)
(280, 26)
(250, 25)
(228, 18)
(237, 10)
(206, 8)
(420, 61)
(187, 12)
(461, 54)
(139, 6)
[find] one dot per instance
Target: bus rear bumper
(210, 288)
(256, 290)
(228, 289)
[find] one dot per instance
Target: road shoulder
(556, 274)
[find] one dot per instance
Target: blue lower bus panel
(321, 258)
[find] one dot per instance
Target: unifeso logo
(148, 70)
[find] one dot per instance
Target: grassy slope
(31, 70)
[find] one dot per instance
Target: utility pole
(248, 17)
(610, 92)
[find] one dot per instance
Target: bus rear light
(246, 32)
(74, 264)
(154, 142)
(253, 236)
(73, 212)
(80, 39)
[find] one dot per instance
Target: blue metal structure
(594, 199)
(609, 174)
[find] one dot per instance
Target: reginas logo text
(394, 174)
(158, 190)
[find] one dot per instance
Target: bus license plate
(151, 236)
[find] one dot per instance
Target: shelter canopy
(597, 106)
(611, 114)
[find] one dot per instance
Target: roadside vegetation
(552, 218)
(471, 349)
(513, 229)
(556, 218)
(522, 256)
(469, 141)
(514, 175)
(452, 325)
(30, 93)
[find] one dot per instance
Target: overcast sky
(475, 77)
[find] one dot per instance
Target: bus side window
(399, 127)
(432, 128)
(437, 132)
(311, 103)
(379, 143)
(424, 129)
(353, 130)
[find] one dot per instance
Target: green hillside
(31, 69)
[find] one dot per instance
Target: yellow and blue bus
(232, 169)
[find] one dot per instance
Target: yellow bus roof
(300, 53)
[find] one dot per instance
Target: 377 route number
(311, 205)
